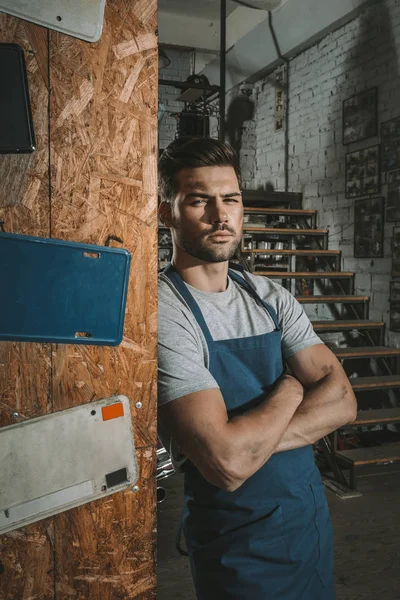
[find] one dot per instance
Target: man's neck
(207, 277)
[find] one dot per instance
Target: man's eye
(231, 200)
(198, 201)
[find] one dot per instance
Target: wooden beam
(26, 555)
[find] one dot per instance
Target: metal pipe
(287, 62)
(222, 72)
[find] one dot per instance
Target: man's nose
(219, 213)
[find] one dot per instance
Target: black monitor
(16, 126)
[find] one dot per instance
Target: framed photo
(393, 196)
(368, 228)
(360, 116)
(362, 173)
(395, 306)
(396, 252)
(390, 140)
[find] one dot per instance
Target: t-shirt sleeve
(181, 362)
(297, 330)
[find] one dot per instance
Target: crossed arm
(300, 410)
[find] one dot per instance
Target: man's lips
(220, 234)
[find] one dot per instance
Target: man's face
(207, 214)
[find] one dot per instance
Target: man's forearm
(326, 406)
(247, 437)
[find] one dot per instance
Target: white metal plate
(59, 461)
(80, 18)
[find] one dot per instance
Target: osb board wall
(93, 175)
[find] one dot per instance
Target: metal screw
(15, 415)
(138, 405)
(135, 488)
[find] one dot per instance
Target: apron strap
(178, 282)
(245, 284)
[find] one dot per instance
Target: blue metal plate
(62, 292)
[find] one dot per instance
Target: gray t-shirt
(183, 359)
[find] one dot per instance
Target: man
(255, 519)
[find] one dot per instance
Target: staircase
(281, 241)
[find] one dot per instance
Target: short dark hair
(191, 153)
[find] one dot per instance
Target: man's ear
(165, 213)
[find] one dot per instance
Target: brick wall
(362, 54)
(179, 70)
(248, 142)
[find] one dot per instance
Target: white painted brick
(379, 283)
(380, 301)
(375, 314)
(363, 282)
(311, 190)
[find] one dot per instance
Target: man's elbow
(227, 475)
(352, 410)
(349, 404)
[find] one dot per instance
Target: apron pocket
(248, 562)
(325, 537)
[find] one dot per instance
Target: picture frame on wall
(360, 116)
(395, 306)
(369, 228)
(396, 252)
(390, 145)
(393, 196)
(363, 176)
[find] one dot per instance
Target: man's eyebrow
(197, 195)
(204, 195)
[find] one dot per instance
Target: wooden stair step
(366, 352)
(281, 231)
(369, 456)
(332, 299)
(375, 416)
(293, 252)
(294, 212)
(380, 382)
(251, 197)
(344, 325)
(307, 274)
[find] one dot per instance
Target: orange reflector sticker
(112, 411)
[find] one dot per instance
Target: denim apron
(271, 539)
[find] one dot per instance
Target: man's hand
(329, 401)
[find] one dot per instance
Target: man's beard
(211, 252)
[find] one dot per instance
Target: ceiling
(207, 9)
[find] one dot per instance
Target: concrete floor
(367, 542)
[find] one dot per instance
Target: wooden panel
(102, 163)
(105, 549)
(26, 555)
(103, 176)
(366, 352)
